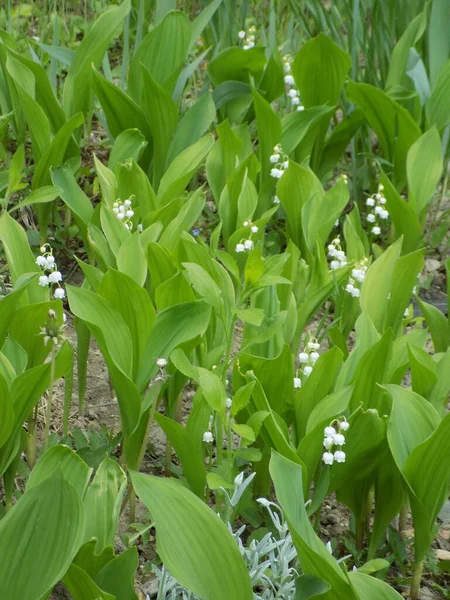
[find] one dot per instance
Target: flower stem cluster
(248, 37)
(333, 441)
(247, 244)
(308, 359)
(280, 162)
(50, 274)
(377, 202)
(292, 91)
(335, 252)
(124, 212)
(52, 331)
(354, 284)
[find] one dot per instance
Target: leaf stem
(416, 579)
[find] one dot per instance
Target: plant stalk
(416, 579)
(48, 414)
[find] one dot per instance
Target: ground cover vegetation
(239, 210)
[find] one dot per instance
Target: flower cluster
(292, 92)
(336, 253)
(50, 275)
(333, 441)
(353, 286)
(280, 162)
(248, 38)
(377, 202)
(247, 244)
(308, 359)
(124, 212)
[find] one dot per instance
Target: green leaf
(437, 109)
(44, 194)
(183, 521)
(187, 451)
(438, 325)
(120, 110)
(173, 327)
(395, 127)
(162, 115)
(423, 371)
(106, 323)
(117, 576)
(438, 41)
(308, 586)
(269, 131)
(319, 70)
(163, 52)
(19, 256)
(424, 167)
(131, 259)
(64, 179)
(236, 64)
(129, 144)
(77, 86)
(82, 587)
(371, 588)
(102, 504)
(403, 215)
(39, 538)
(315, 558)
(194, 123)
(181, 169)
(74, 470)
(399, 58)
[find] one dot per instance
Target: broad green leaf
(117, 576)
(236, 64)
(181, 169)
(399, 58)
(129, 144)
(438, 325)
(183, 521)
(319, 71)
(403, 215)
(44, 194)
(162, 115)
(269, 131)
(424, 167)
(423, 371)
(163, 52)
(371, 588)
(6, 410)
(120, 110)
(191, 460)
(36, 118)
(204, 284)
(437, 108)
(102, 504)
(309, 586)
(106, 323)
(77, 86)
(131, 259)
(194, 123)
(19, 256)
(74, 470)
(412, 421)
(73, 196)
(184, 220)
(395, 127)
(316, 560)
(438, 40)
(82, 587)
(55, 153)
(378, 284)
(39, 538)
(173, 327)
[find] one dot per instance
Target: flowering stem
(416, 579)
(50, 398)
